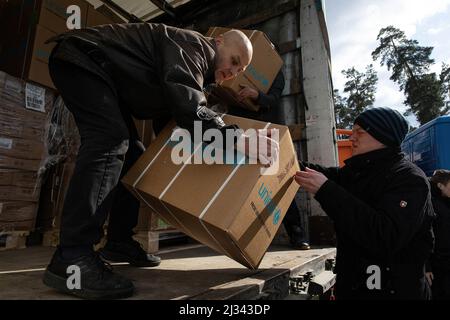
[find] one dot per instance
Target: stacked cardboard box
(30, 23)
(63, 142)
(24, 109)
(260, 74)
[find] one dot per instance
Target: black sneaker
(97, 280)
(129, 251)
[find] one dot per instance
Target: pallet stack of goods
(63, 141)
(24, 110)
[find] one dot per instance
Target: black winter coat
(381, 207)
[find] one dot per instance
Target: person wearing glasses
(381, 207)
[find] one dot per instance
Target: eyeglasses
(358, 132)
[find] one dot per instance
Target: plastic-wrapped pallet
(24, 111)
(62, 140)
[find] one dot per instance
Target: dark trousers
(295, 225)
(441, 285)
(109, 147)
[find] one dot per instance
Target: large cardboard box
(95, 18)
(38, 70)
(21, 148)
(13, 127)
(17, 193)
(17, 215)
(30, 23)
(260, 74)
(19, 178)
(19, 185)
(233, 209)
(21, 164)
(25, 101)
(53, 14)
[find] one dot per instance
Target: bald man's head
(234, 54)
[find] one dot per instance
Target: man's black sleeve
(383, 229)
(272, 98)
(182, 79)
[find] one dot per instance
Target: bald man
(106, 75)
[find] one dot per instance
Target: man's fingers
(303, 174)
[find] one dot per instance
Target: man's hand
(310, 180)
(247, 92)
(430, 278)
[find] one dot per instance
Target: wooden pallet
(150, 240)
(13, 240)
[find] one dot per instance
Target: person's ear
(440, 186)
(219, 40)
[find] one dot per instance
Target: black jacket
(267, 102)
(440, 260)
(381, 207)
(155, 69)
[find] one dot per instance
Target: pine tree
(410, 64)
(360, 89)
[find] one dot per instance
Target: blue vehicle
(429, 146)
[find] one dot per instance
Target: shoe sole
(60, 284)
(117, 257)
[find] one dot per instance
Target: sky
(353, 26)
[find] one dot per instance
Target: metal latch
(321, 283)
(300, 284)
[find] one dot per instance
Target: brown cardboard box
(18, 178)
(33, 119)
(17, 215)
(95, 18)
(8, 193)
(231, 208)
(38, 70)
(21, 164)
(39, 73)
(13, 127)
(41, 50)
(29, 24)
(260, 74)
(21, 148)
(14, 93)
(53, 14)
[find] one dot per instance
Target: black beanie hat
(384, 124)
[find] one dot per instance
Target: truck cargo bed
(187, 272)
